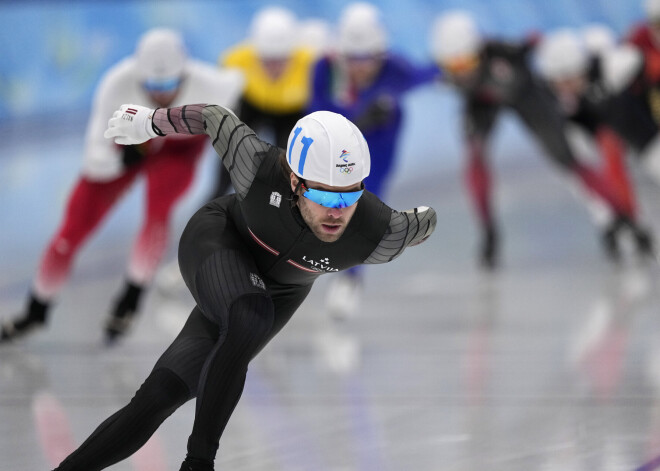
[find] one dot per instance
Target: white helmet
(315, 34)
(326, 147)
(273, 32)
(562, 55)
(160, 55)
(620, 66)
(455, 35)
(652, 8)
(361, 30)
(598, 38)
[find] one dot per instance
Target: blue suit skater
(366, 82)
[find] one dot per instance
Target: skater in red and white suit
(646, 37)
(158, 74)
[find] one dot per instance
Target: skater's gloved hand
(131, 124)
(377, 113)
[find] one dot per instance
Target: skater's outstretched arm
(237, 145)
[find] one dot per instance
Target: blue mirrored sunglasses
(331, 199)
(162, 85)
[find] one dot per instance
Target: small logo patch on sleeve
(275, 199)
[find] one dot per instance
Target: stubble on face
(326, 224)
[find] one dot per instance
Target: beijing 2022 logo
(346, 167)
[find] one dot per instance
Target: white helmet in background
(273, 32)
(598, 38)
(315, 34)
(652, 8)
(160, 55)
(621, 65)
(562, 55)
(454, 35)
(326, 147)
(362, 30)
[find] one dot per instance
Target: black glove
(132, 155)
(378, 113)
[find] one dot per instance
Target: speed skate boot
(644, 241)
(610, 241)
(123, 312)
(32, 319)
(489, 252)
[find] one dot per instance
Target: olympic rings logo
(346, 170)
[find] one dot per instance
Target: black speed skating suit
(249, 260)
